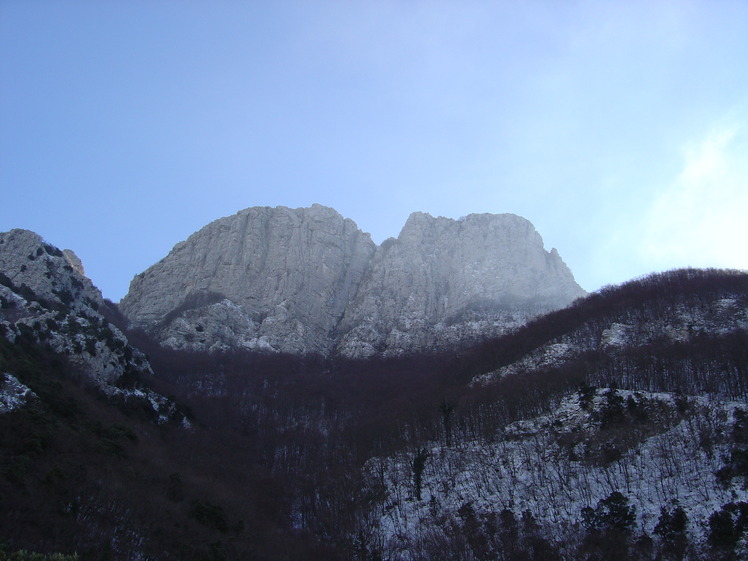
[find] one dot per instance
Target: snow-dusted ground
(628, 330)
(557, 464)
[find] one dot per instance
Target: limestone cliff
(265, 278)
(309, 281)
(446, 282)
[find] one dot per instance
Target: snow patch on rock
(13, 394)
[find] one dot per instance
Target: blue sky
(617, 128)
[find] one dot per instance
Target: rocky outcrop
(13, 394)
(45, 300)
(309, 281)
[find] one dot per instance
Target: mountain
(263, 279)
(444, 283)
(613, 428)
(309, 281)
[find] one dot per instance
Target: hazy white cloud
(700, 219)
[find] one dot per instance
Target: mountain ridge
(309, 280)
(616, 428)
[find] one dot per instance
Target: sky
(618, 128)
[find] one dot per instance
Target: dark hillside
(709, 357)
(310, 422)
(79, 473)
(277, 463)
(613, 429)
(655, 296)
(313, 422)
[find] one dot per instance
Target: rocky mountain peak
(264, 278)
(74, 261)
(27, 260)
(308, 280)
(445, 282)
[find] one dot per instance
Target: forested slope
(615, 428)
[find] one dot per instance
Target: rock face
(265, 278)
(309, 281)
(47, 300)
(444, 282)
